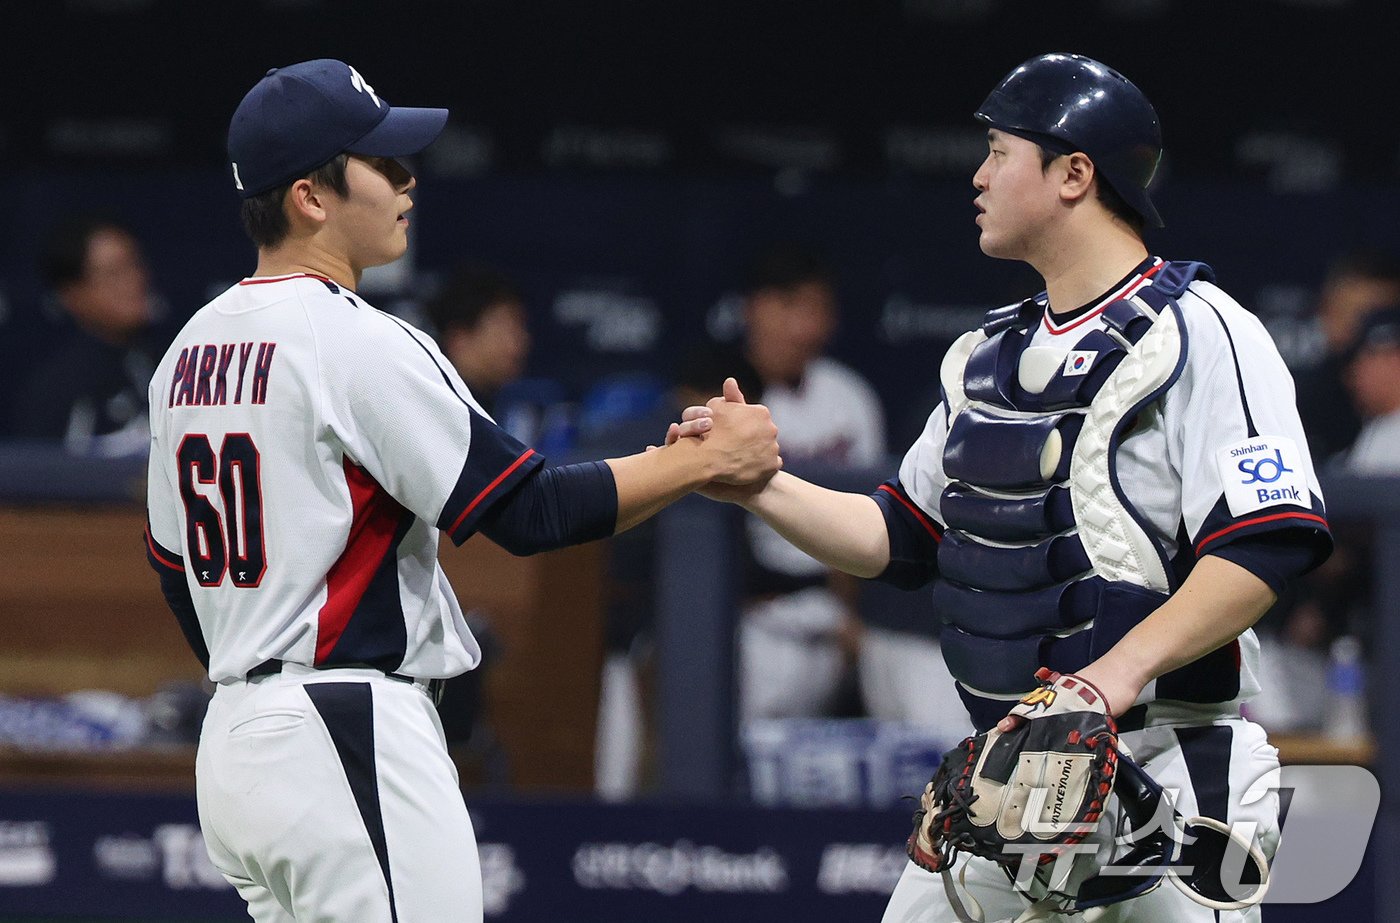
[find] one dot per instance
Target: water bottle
(1346, 690)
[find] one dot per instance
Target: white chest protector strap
(1117, 545)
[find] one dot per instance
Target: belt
(433, 687)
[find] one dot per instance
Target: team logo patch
(1262, 472)
(1045, 695)
(1079, 362)
(359, 84)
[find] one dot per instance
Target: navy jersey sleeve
(554, 507)
(914, 538)
(170, 568)
(1274, 557)
(495, 466)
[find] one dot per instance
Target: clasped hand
(742, 436)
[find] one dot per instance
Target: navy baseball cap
(301, 117)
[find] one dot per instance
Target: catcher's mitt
(1040, 787)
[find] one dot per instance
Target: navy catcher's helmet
(1068, 103)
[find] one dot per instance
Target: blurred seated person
(804, 626)
(479, 316)
(481, 324)
(1373, 376)
(1348, 378)
(798, 630)
(1372, 373)
(1356, 284)
(88, 389)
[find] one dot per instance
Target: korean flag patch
(1079, 362)
(1262, 472)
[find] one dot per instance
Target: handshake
(736, 443)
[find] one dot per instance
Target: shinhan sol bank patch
(1261, 472)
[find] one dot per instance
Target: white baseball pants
(327, 796)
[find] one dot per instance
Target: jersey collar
(1140, 276)
(264, 280)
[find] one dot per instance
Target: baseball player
(794, 626)
(306, 451)
(1115, 483)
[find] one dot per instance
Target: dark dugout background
(623, 159)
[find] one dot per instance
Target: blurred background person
(1356, 284)
(1331, 603)
(1372, 374)
(479, 317)
(1348, 387)
(87, 388)
(798, 630)
(481, 322)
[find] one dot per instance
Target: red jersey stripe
(376, 516)
(156, 553)
(1311, 517)
(918, 514)
(490, 487)
(264, 280)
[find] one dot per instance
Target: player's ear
(1079, 173)
(304, 202)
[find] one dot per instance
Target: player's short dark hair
(265, 219)
(786, 265)
(1115, 203)
(63, 253)
(468, 294)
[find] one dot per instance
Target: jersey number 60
(236, 470)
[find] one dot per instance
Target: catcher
(1114, 485)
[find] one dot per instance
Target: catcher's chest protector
(1045, 562)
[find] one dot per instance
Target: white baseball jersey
(306, 449)
(1221, 455)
